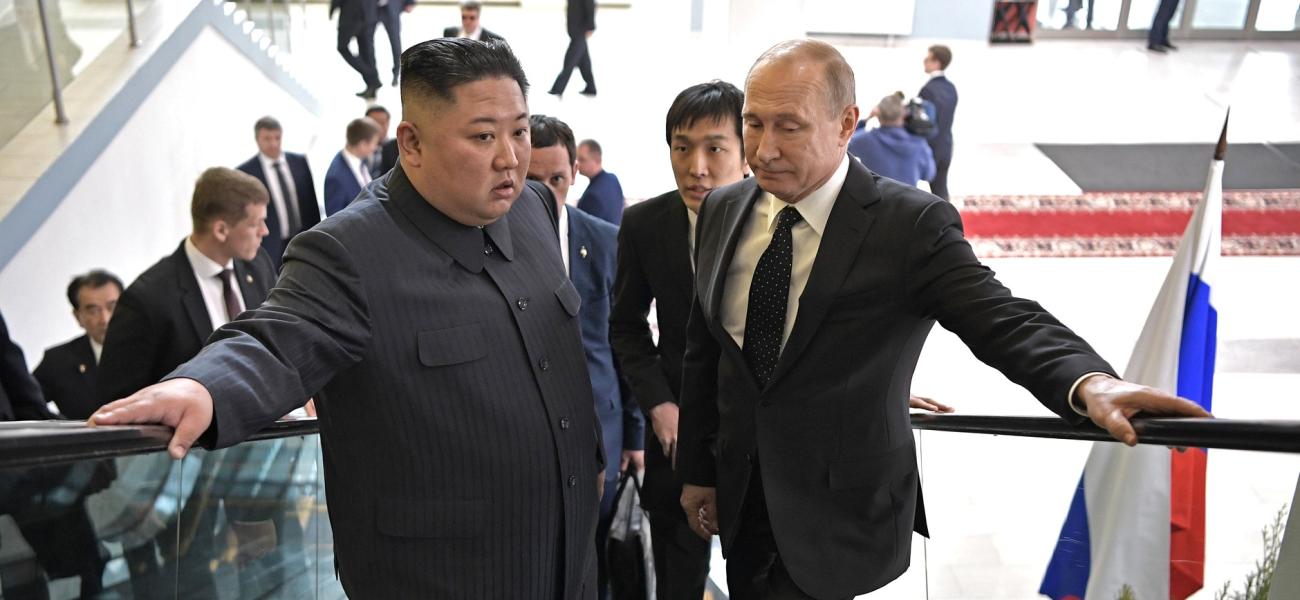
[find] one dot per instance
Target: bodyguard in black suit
(357, 19)
(390, 14)
(816, 285)
(293, 208)
(581, 23)
(943, 94)
(434, 324)
(67, 372)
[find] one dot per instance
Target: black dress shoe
(588, 91)
(1157, 48)
(555, 93)
(368, 93)
(1169, 46)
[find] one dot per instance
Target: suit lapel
(845, 231)
(250, 288)
(85, 356)
(579, 271)
(734, 215)
(191, 297)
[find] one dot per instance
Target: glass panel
(1092, 15)
(241, 535)
(1278, 15)
(996, 505)
(1142, 12)
(88, 529)
(1220, 14)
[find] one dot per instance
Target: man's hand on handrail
(923, 403)
(182, 404)
(1112, 402)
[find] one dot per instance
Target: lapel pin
(82, 367)
(582, 251)
(248, 278)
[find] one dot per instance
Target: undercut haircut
(222, 193)
(592, 146)
(362, 129)
(943, 54)
(94, 280)
(549, 131)
(714, 101)
(841, 87)
(434, 68)
(268, 123)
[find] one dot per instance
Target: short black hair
(593, 146)
(436, 67)
(377, 108)
(549, 131)
(93, 280)
(712, 101)
(267, 122)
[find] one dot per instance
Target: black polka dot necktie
(768, 295)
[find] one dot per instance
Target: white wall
(132, 206)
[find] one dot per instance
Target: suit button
(573, 480)
(749, 458)
(522, 303)
(564, 423)
(544, 364)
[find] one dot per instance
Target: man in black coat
(293, 208)
(943, 94)
(20, 395)
(816, 283)
(390, 15)
(434, 323)
(357, 19)
(67, 371)
(581, 23)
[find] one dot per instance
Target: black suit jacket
(943, 94)
(389, 156)
(396, 7)
(20, 396)
(457, 421)
(355, 11)
(308, 208)
(654, 264)
(161, 321)
(486, 36)
(580, 16)
(831, 430)
(67, 378)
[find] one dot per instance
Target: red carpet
(1255, 223)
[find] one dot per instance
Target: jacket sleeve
(629, 327)
(1013, 335)
(315, 323)
(24, 394)
(697, 425)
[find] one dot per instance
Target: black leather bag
(627, 549)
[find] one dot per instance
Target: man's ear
(849, 122)
(219, 229)
(408, 144)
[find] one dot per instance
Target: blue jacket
(895, 153)
(603, 198)
(593, 249)
(341, 186)
(943, 94)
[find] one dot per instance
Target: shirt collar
(354, 162)
(205, 267)
(96, 348)
(464, 243)
(266, 160)
(934, 74)
(816, 207)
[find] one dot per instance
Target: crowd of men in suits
(483, 361)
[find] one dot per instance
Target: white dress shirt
(96, 348)
(691, 219)
(473, 35)
(358, 167)
(273, 186)
(564, 236)
(755, 236)
(208, 273)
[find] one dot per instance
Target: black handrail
(31, 443)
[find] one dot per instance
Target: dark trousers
(939, 185)
(754, 568)
(364, 60)
(681, 556)
(576, 56)
(1159, 35)
(393, 27)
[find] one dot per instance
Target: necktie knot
(788, 217)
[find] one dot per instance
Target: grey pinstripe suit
(456, 414)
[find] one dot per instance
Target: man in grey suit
(433, 322)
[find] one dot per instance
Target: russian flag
(1138, 516)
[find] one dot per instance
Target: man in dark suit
(390, 14)
(436, 323)
(293, 208)
(588, 248)
(816, 285)
(471, 25)
(20, 395)
(654, 265)
(603, 197)
(348, 172)
(581, 23)
(67, 371)
(1158, 36)
(357, 19)
(943, 94)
